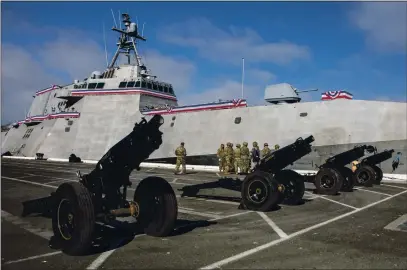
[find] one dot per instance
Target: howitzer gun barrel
(348, 156)
(378, 158)
(281, 158)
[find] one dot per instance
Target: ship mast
(127, 41)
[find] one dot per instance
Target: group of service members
(240, 159)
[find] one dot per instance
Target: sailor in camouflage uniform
(237, 158)
(245, 158)
(266, 150)
(255, 154)
(221, 157)
(228, 158)
(181, 154)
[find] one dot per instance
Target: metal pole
(242, 76)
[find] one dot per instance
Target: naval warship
(86, 117)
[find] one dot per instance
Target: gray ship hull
(336, 125)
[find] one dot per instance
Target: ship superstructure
(88, 116)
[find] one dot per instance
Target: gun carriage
(367, 172)
(269, 184)
(333, 176)
(76, 206)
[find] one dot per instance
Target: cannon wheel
(73, 218)
(379, 175)
(158, 206)
(328, 181)
(365, 175)
(294, 187)
(260, 191)
(349, 179)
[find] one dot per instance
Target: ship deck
(344, 231)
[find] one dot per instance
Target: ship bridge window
(155, 87)
(137, 84)
(130, 84)
(100, 85)
(122, 84)
(165, 89)
(143, 84)
(171, 90)
(160, 88)
(92, 85)
(149, 86)
(84, 85)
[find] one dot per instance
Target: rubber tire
(272, 191)
(333, 173)
(349, 179)
(379, 175)
(371, 175)
(290, 178)
(84, 218)
(161, 222)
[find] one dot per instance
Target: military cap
(276, 146)
(182, 143)
(245, 143)
(238, 145)
(266, 144)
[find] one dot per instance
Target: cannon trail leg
(73, 218)
(260, 192)
(157, 205)
(328, 181)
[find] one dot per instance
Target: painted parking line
(249, 252)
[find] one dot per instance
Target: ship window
(130, 84)
(122, 84)
(92, 85)
(165, 89)
(155, 86)
(75, 86)
(67, 129)
(149, 86)
(84, 85)
(100, 85)
(160, 88)
(137, 84)
(171, 91)
(238, 120)
(143, 84)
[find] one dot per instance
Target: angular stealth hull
(336, 125)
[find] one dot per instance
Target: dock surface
(359, 229)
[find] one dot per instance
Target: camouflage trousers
(245, 164)
(238, 164)
(222, 163)
(180, 161)
(229, 164)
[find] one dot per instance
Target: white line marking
(149, 170)
(56, 181)
(26, 226)
(218, 175)
(105, 255)
(185, 211)
(174, 180)
(35, 257)
(298, 233)
(25, 176)
(28, 182)
(273, 225)
(393, 186)
(232, 215)
(344, 204)
(372, 191)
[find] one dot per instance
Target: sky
(359, 47)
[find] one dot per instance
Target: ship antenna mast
(127, 40)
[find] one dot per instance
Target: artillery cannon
(268, 184)
(76, 206)
(367, 172)
(333, 176)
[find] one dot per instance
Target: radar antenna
(127, 41)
